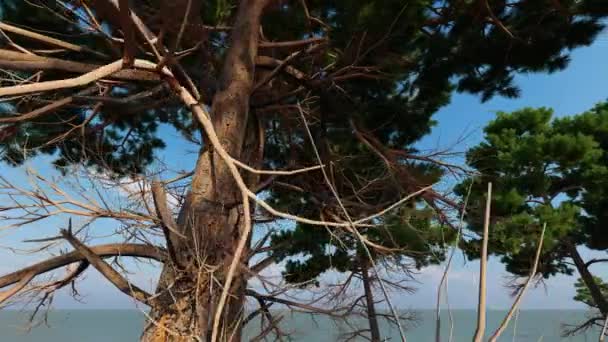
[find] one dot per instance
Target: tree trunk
(583, 270)
(211, 218)
(372, 318)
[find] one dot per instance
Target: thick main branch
(103, 251)
(22, 61)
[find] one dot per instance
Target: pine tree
(549, 171)
(359, 79)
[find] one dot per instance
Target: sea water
(126, 326)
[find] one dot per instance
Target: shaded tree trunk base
(187, 308)
(175, 320)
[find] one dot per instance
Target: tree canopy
(545, 170)
(549, 171)
(316, 104)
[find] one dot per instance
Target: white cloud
(434, 273)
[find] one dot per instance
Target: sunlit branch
(107, 271)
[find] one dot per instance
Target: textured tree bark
(372, 318)
(211, 219)
(583, 270)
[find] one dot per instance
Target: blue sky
(574, 90)
(571, 91)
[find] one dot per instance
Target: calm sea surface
(125, 326)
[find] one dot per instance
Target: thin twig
(103, 251)
(444, 277)
(354, 229)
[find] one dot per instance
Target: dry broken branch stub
(168, 224)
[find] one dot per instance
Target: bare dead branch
(168, 223)
(595, 261)
(49, 108)
(102, 251)
(483, 265)
(364, 242)
(128, 33)
(497, 21)
(107, 271)
(261, 265)
(444, 277)
(18, 287)
(21, 61)
(270, 62)
(82, 266)
(520, 295)
(276, 172)
(287, 302)
(293, 43)
(49, 40)
(92, 76)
